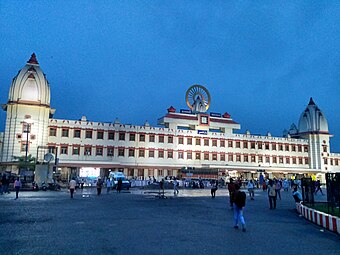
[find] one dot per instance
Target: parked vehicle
(115, 176)
(35, 186)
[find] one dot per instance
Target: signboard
(189, 174)
(215, 114)
(185, 111)
(202, 132)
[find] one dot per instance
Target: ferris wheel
(198, 98)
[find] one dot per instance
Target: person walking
(108, 185)
(251, 187)
(17, 185)
(318, 187)
(176, 191)
(5, 182)
(72, 186)
(278, 187)
(119, 185)
(214, 187)
(99, 186)
(271, 194)
(238, 205)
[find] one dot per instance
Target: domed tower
(28, 111)
(314, 127)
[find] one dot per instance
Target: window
(300, 161)
(189, 155)
(267, 159)
(142, 137)
(287, 160)
(280, 147)
(189, 141)
(100, 134)
(324, 148)
(110, 151)
(76, 133)
(238, 157)
(299, 148)
(206, 155)
(293, 147)
(121, 136)
(151, 154)
(259, 146)
(260, 159)
(99, 151)
(161, 153)
(274, 160)
(170, 154)
(26, 127)
(294, 160)
(336, 162)
(222, 157)
(252, 145)
(238, 144)
(214, 156)
(280, 160)
(306, 161)
(88, 134)
(161, 139)
(51, 149)
(53, 132)
(230, 157)
(198, 155)
(111, 135)
(76, 150)
(198, 141)
(274, 146)
(23, 147)
(245, 145)
(63, 149)
(253, 159)
(151, 138)
(87, 151)
(180, 140)
(245, 158)
(230, 144)
(214, 143)
(132, 137)
(222, 143)
(287, 147)
(141, 153)
(206, 142)
(131, 152)
(64, 132)
(180, 155)
(121, 152)
(170, 139)
(267, 146)
(160, 172)
(305, 148)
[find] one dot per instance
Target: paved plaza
(136, 222)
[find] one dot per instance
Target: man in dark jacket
(239, 203)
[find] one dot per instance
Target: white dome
(312, 120)
(30, 85)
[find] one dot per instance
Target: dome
(30, 85)
(312, 120)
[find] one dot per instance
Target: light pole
(27, 130)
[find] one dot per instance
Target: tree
(30, 165)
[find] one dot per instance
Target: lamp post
(27, 130)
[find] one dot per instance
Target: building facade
(188, 139)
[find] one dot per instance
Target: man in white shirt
(108, 185)
(251, 187)
(72, 186)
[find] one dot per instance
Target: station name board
(202, 132)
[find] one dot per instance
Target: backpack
(240, 199)
(272, 192)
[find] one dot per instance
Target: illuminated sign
(185, 111)
(215, 114)
(202, 132)
(89, 172)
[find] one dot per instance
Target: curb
(322, 219)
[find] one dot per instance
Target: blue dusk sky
(260, 60)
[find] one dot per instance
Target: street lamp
(27, 130)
